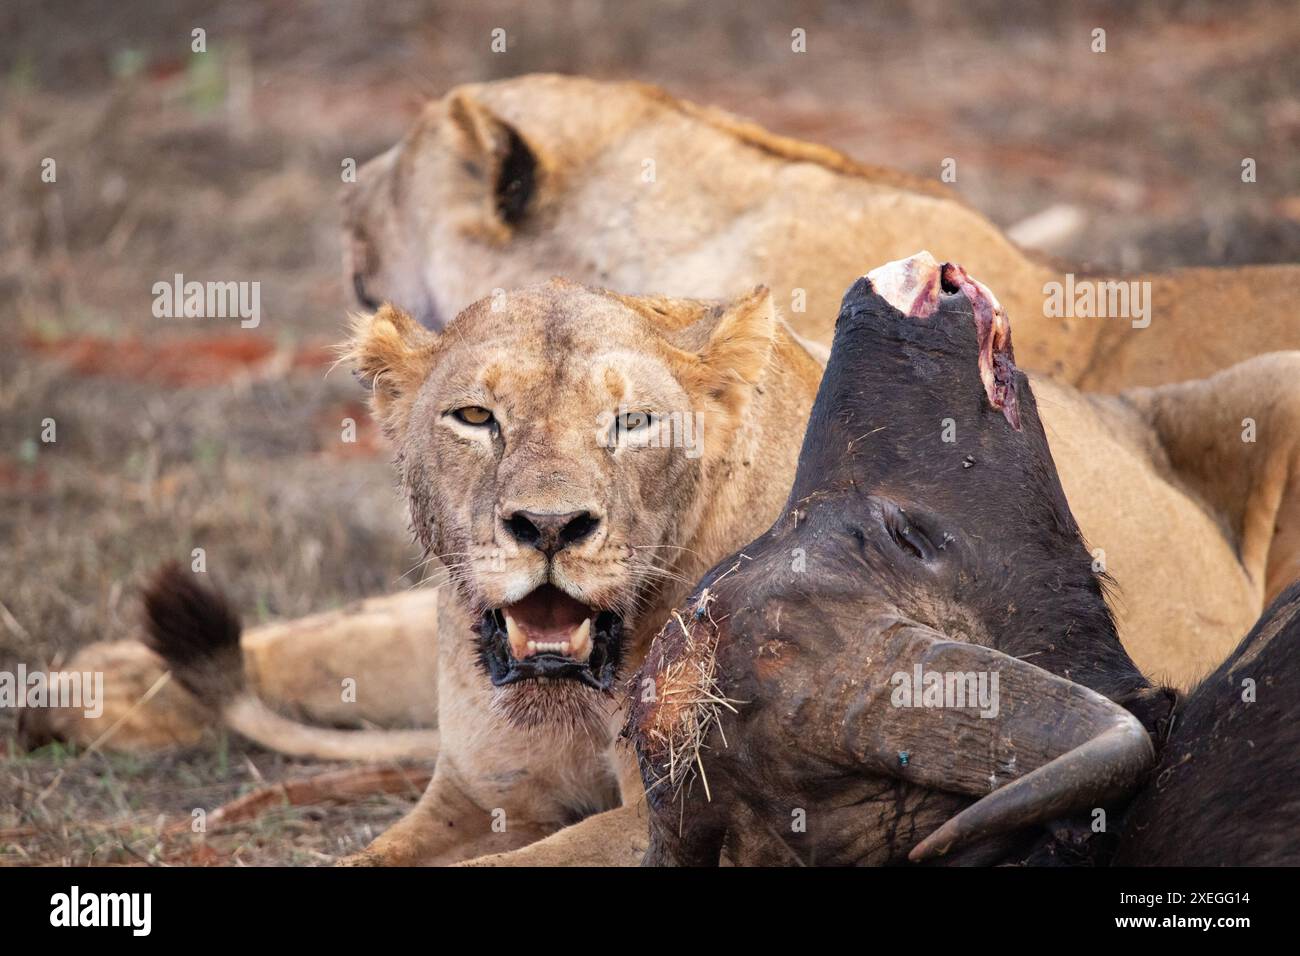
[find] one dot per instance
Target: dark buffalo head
(918, 654)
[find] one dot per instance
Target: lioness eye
(474, 415)
(633, 421)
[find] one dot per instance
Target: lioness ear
(394, 355)
(494, 151)
(738, 349)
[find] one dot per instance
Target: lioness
(504, 184)
(567, 537)
(576, 459)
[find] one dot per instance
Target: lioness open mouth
(548, 634)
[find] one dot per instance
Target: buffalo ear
(495, 152)
(393, 355)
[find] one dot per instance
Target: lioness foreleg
(614, 838)
(447, 825)
(498, 786)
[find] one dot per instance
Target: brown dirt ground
(174, 434)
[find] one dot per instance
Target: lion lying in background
(576, 459)
(504, 184)
(542, 372)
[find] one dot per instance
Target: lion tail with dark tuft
(194, 630)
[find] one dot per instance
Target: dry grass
(674, 729)
(115, 809)
(226, 167)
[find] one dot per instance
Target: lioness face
(552, 443)
(506, 184)
(428, 222)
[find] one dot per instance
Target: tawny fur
(732, 205)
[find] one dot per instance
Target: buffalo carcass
(917, 660)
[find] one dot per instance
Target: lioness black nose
(549, 533)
